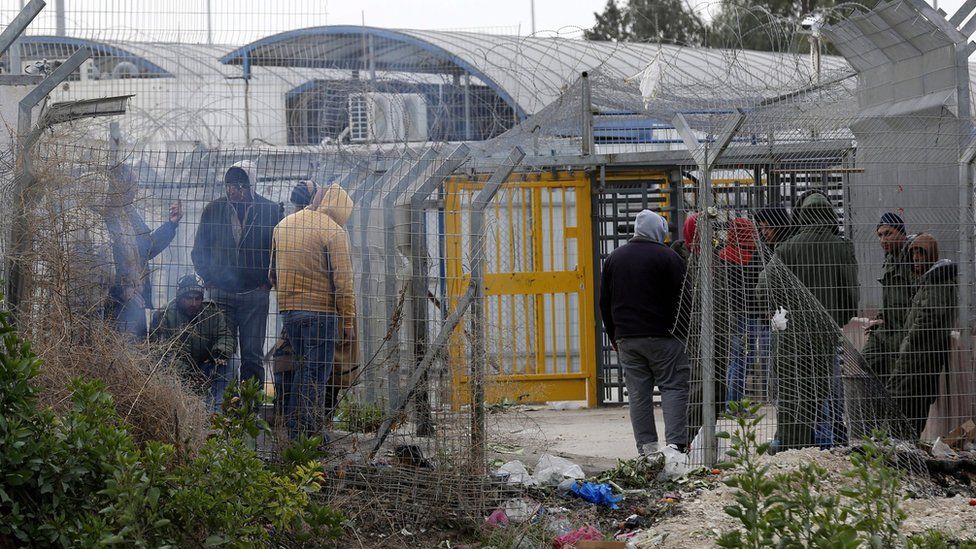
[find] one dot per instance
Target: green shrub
(795, 509)
(359, 417)
(80, 478)
(937, 539)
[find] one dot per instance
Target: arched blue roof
(362, 48)
(51, 46)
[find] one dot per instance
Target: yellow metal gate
(538, 287)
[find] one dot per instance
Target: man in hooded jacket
(639, 298)
(313, 275)
(806, 361)
(924, 350)
(232, 254)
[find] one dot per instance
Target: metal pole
(59, 17)
(209, 24)
(706, 156)
(365, 205)
(27, 137)
(966, 263)
(479, 359)
(390, 262)
(706, 270)
(532, 6)
(586, 135)
(467, 107)
(20, 24)
(418, 280)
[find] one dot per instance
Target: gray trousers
(661, 361)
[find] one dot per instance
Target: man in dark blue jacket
(232, 254)
(639, 299)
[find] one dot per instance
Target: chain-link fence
(304, 200)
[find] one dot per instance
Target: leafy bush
(936, 539)
(80, 478)
(793, 509)
(359, 417)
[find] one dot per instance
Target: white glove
(778, 322)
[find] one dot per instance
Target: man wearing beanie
(640, 292)
(302, 194)
(232, 253)
(886, 330)
(199, 338)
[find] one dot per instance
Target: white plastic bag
(517, 473)
(696, 451)
(675, 463)
(554, 469)
(521, 509)
(942, 450)
(778, 323)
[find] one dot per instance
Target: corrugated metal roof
(529, 72)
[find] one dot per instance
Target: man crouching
(201, 341)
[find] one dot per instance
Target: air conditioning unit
(415, 116)
(88, 70)
(387, 117)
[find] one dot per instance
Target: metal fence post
(390, 289)
(479, 362)
(418, 277)
(24, 178)
(706, 157)
(364, 200)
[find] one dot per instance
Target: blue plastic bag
(600, 494)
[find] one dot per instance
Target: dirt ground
(687, 513)
(701, 518)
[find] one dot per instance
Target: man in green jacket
(813, 276)
(886, 331)
(925, 347)
(200, 339)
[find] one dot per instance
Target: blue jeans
(217, 379)
(284, 387)
(247, 315)
(830, 430)
(749, 343)
(313, 337)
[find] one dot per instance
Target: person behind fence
(886, 331)
(774, 226)
(199, 337)
(925, 348)
(133, 247)
(640, 294)
(739, 315)
(232, 253)
(810, 398)
(312, 272)
(686, 247)
(283, 367)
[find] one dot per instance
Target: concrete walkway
(594, 438)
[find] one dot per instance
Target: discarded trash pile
(559, 507)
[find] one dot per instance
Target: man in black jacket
(639, 298)
(232, 254)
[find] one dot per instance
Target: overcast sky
(241, 21)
